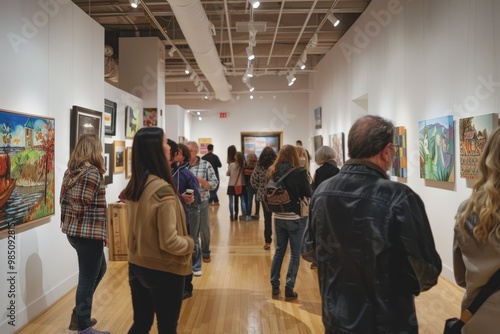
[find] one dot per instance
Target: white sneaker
(197, 273)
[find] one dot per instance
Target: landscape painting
(436, 148)
(399, 166)
(337, 143)
(474, 132)
(26, 168)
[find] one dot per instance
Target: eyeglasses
(394, 147)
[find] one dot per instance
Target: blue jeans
(155, 291)
(204, 229)
(268, 224)
(287, 230)
(91, 269)
(194, 231)
(213, 193)
(233, 202)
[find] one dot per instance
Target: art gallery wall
(410, 61)
(52, 59)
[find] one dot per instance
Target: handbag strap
(486, 291)
(238, 177)
(286, 174)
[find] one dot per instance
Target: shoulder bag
(455, 325)
(238, 190)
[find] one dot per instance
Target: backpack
(277, 198)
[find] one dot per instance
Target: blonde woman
(476, 248)
(83, 220)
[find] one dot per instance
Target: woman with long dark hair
(259, 181)
(159, 245)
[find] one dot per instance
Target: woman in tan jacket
(476, 253)
(160, 248)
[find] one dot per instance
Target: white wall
(54, 62)
(287, 112)
(416, 60)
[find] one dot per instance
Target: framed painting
(256, 141)
(399, 165)
(131, 122)
(150, 117)
(337, 142)
(109, 118)
(108, 155)
(317, 118)
(118, 156)
(318, 142)
(84, 121)
(128, 162)
(27, 167)
(474, 132)
(203, 143)
(437, 149)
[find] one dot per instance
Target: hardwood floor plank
(234, 293)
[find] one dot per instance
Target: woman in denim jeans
(83, 220)
(289, 226)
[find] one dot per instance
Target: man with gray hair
(199, 219)
(373, 242)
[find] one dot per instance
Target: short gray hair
(324, 154)
(195, 144)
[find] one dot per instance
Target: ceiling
(286, 33)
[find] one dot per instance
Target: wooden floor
(234, 294)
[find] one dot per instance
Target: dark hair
(267, 157)
(239, 160)
(368, 136)
(174, 148)
(185, 152)
(148, 158)
(298, 142)
(210, 147)
(231, 152)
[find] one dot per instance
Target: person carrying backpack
(289, 225)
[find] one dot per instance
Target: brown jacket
(158, 237)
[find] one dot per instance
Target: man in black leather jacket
(373, 242)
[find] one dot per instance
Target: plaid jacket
(83, 203)
(205, 170)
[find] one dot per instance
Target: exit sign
(223, 115)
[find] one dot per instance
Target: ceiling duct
(197, 30)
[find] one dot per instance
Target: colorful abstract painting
(150, 117)
(474, 132)
(399, 166)
(437, 150)
(26, 168)
(337, 143)
(131, 122)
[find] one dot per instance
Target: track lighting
(134, 3)
(303, 56)
(192, 76)
(291, 78)
(250, 87)
(250, 54)
(172, 51)
(197, 81)
(251, 97)
(199, 88)
(187, 70)
(199, 118)
(252, 37)
(313, 42)
(245, 78)
(335, 21)
(301, 64)
(249, 71)
(254, 3)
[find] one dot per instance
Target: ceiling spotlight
(134, 3)
(187, 111)
(198, 113)
(172, 51)
(187, 70)
(254, 3)
(301, 64)
(313, 42)
(251, 97)
(249, 71)
(245, 78)
(192, 76)
(200, 118)
(291, 78)
(250, 52)
(335, 21)
(206, 97)
(303, 56)
(199, 88)
(250, 87)
(252, 36)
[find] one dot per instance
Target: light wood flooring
(234, 294)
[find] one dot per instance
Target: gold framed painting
(118, 156)
(128, 162)
(256, 141)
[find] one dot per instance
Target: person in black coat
(325, 158)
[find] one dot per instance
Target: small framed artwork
(337, 142)
(109, 118)
(318, 142)
(131, 122)
(128, 162)
(108, 164)
(118, 156)
(150, 117)
(317, 118)
(84, 121)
